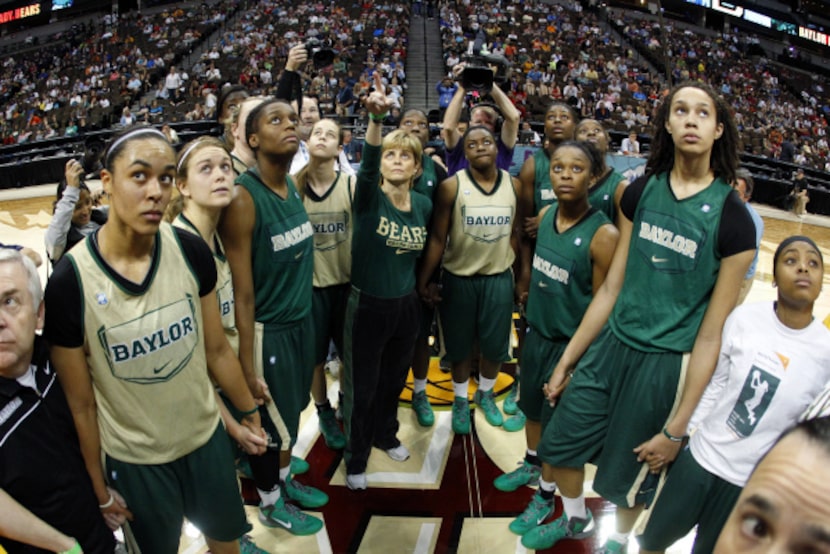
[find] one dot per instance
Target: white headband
(128, 135)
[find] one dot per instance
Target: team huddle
(189, 349)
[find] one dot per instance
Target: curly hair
(724, 158)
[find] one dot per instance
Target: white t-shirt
(767, 374)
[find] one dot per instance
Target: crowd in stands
(609, 68)
(88, 75)
(561, 51)
(779, 112)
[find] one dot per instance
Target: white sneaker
(400, 453)
(357, 481)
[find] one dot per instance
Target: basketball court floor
(442, 499)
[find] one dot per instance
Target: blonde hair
(176, 205)
(405, 141)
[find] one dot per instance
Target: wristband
(378, 118)
(672, 437)
(76, 549)
(108, 503)
(252, 411)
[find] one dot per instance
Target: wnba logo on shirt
(757, 393)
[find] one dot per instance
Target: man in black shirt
(46, 497)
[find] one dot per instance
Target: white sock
(548, 486)
(531, 452)
(575, 507)
(460, 389)
(284, 473)
(621, 538)
(419, 385)
(269, 498)
(485, 384)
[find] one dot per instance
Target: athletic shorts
(286, 362)
(476, 309)
(539, 356)
(691, 496)
(328, 310)
(618, 398)
(200, 486)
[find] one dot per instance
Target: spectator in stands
(799, 194)
(744, 185)
(213, 73)
(781, 507)
(630, 145)
(529, 136)
(343, 98)
(127, 118)
(173, 82)
(196, 114)
(171, 134)
(46, 509)
(74, 216)
(446, 89)
(602, 111)
(788, 149)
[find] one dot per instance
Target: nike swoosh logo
(156, 371)
(298, 255)
(402, 251)
(543, 285)
(286, 524)
(656, 260)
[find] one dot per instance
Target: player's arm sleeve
(737, 230)
(64, 307)
(200, 259)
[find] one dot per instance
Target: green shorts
(200, 486)
(618, 398)
(287, 365)
(476, 309)
(328, 310)
(691, 496)
(539, 356)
